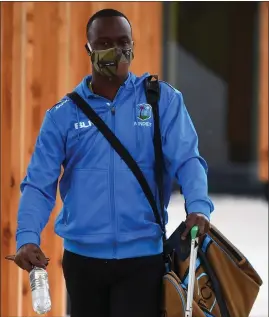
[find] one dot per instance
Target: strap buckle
(153, 88)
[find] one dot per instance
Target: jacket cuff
(26, 237)
(201, 207)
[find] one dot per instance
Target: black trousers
(113, 288)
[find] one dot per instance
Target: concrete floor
(244, 221)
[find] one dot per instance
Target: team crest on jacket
(143, 111)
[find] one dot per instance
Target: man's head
(110, 43)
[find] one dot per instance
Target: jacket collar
(128, 84)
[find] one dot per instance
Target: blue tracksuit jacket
(105, 213)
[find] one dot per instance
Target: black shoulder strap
(121, 150)
(152, 87)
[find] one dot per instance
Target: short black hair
(105, 13)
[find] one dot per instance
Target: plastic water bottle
(40, 290)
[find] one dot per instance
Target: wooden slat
(43, 57)
(64, 69)
(6, 118)
(42, 93)
(27, 132)
(63, 85)
(79, 60)
(263, 93)
(15, 284)
(49, 95)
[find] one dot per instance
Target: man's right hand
(30, 255)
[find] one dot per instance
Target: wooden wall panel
(6, 95)
(263, 93)
(14, 298)
(42, 58)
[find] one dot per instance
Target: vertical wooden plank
(26, 123)
(6, 181)
(15, 274)
(263, 93)
(148, 37)
(48, 97)
(64, 70)
(63, 85)
(79, 60)
(41, 88)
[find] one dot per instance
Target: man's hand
(199, 220)
(30, 255)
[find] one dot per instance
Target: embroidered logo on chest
(143, 114)
(143, 111)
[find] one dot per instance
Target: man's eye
(124, 44)
(103, 44)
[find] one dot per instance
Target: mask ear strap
(88, 48)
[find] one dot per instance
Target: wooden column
(263, 92)
(7, 236)
(43, 58)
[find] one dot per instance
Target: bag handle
(121, 150)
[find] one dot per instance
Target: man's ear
(88, 48)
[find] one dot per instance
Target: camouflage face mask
(106, 61)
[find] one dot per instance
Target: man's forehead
(110, 27)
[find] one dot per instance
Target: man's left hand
(196, 219)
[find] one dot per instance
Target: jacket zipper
(112, 194)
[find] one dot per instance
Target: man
(112, 261)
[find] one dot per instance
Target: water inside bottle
(40, 290)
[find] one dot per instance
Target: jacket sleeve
(180, 146)
(39, 186)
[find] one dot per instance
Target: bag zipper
(178, 289)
